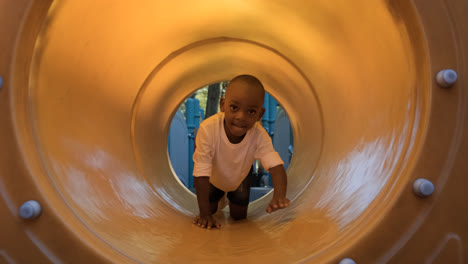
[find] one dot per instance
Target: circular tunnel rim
(192, 48)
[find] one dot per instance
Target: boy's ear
(221, 104)
(262, 111)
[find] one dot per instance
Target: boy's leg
(239, 199)
(238, 212)
(215, 195)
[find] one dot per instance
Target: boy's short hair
(249, 79)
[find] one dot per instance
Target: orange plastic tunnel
(376, 93)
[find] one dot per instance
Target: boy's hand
(277, 203)
(280, 182)
(206, 222)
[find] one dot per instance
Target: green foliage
(202, 96)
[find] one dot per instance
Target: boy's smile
(236, 129)
(242, 108)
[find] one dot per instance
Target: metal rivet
(347, 261)
(30, 210)
(446, 78)
(423, 187)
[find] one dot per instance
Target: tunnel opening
(205, 103)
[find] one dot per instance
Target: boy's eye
(233, 107)
(252, 112)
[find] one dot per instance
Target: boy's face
(242, 107)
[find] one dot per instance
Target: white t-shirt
(228, 164)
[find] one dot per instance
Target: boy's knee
(238, 215)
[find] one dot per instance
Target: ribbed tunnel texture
(106, 80)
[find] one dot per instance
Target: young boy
(227, 145)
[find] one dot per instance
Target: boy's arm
(202, 186)
(280, 184)
(204, 220)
